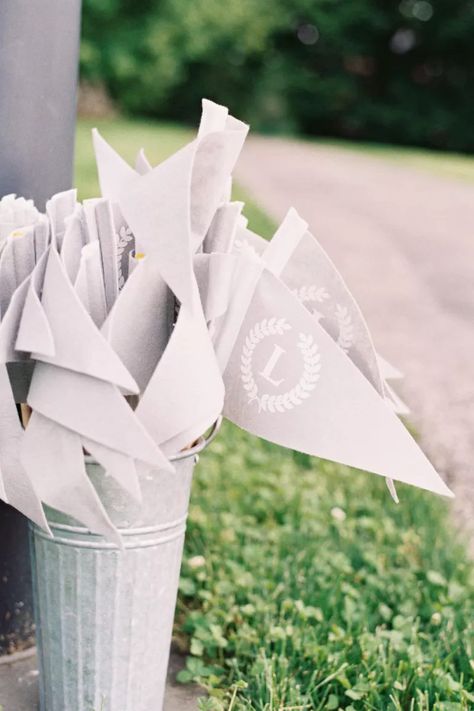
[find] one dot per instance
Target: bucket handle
(201, 443)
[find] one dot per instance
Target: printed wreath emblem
(311, 293)
(306, 384)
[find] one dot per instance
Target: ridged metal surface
(105, 616)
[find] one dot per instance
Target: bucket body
(104, 616)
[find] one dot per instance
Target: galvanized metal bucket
(104, 616)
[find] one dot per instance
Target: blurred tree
(368, 69)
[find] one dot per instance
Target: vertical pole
(39, 43)
(39, 47)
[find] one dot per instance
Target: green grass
(303, 585)
(448, 165)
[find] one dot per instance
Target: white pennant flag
(47, 446)
(296, 256)
(287, 381)
(16, 487)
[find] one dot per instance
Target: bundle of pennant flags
(131, 321)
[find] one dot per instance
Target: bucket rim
(177, 523)
(201, 444)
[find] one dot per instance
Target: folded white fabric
(129, 322)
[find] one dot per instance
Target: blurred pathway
(19, 685)
(404, 241)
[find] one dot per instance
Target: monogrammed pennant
(289, 382)
(305, 268)
(296, 256)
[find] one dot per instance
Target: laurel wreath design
(306, 384)
(124, 237)
(345, 338)
(311, 293)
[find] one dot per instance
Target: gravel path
(404, 241)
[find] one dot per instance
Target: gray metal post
(39, 44)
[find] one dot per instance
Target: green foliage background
(367, 69)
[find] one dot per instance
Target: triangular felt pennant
(115, 174)
(157, 208)
(16, 213)
(213, 118)
(221, 233)
(89, 284)
(117, 465)
(162, 203)
(284, 242)
(215, 277)
(188, 380)
(179, 197)
(220, 140)
(54, 460)
(305, 268)
(33, 331)
(42, 236)
(18, 488)
(58, 208)
(108, 249)
(142, 314)
(8, 282)
(75, 238)
(22, 243)
(396, 403)
(10, 323)
(287, 381)
(89, 208)
(94, 409)
(79, 346)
